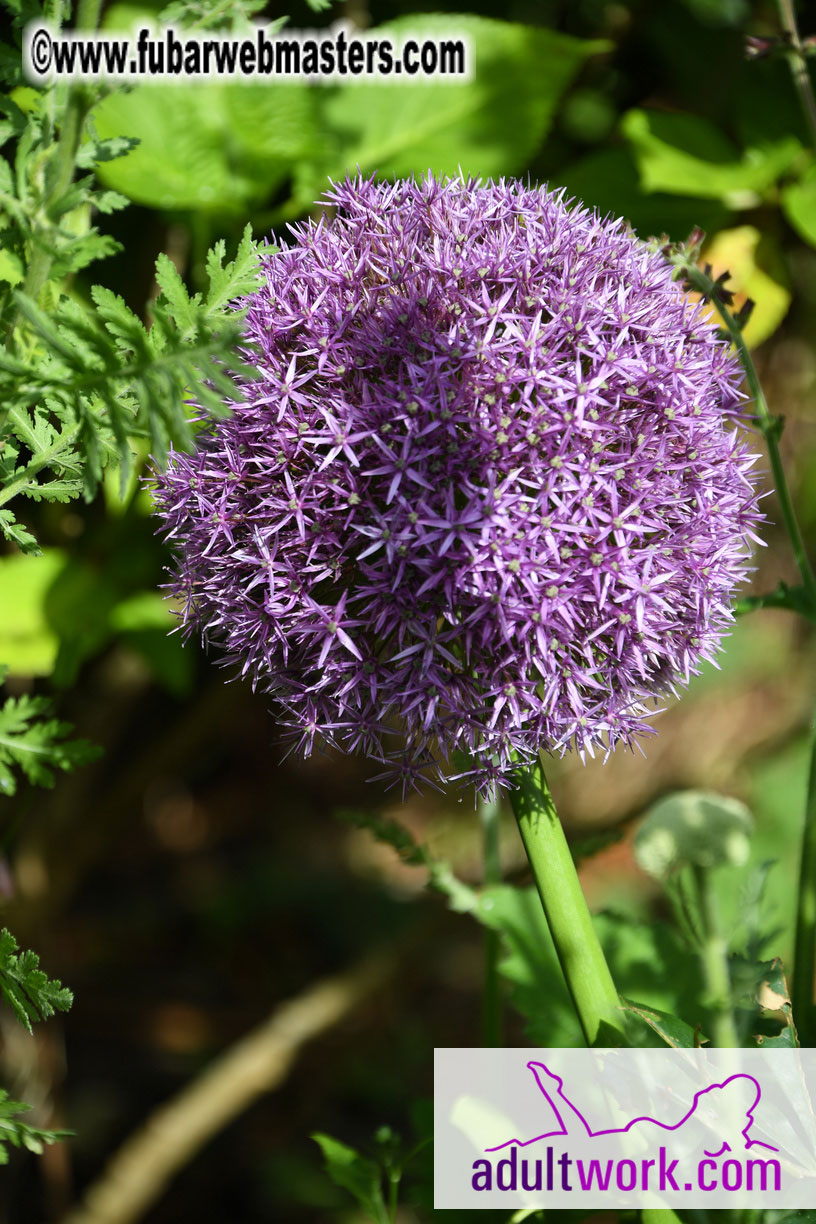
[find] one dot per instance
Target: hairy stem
(799, 64)
(61, 170)
(490, 812)
(714, 957)
(576, 943)
(767, 423)
(804, 961)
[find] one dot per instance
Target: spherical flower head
(487, 493)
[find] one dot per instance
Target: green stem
(768, 424)
(490, 812)
(61, 171)
(804, 960)
(714, 957)
(576, 943)
(799, 65)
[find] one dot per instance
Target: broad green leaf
(608, 180)
(686, 155)
(361, 1177)
(79, 607)
(144, 610)
(28, 644)
(491, 124)
(799, 205)
(673, 1031)
(216, 147)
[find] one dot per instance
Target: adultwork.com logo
(628, 1128)
(712, 1115)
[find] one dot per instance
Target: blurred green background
(188, 882)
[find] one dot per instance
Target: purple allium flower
(486, 495)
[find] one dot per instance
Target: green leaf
(530, 964)
(25, 987)
(18, 534)
(673, 1031)
(28, 644)
(490, 124)
(799, 205)
(11, 267)
(104, 150)
(36, 746)
(687, 155)
(649, 962)
(233, 279)
(773, 999)
(218, 148)
(353, 1172)
(608, 179)
(19, 1134)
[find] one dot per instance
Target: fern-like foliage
(29, 992)
(217, 15)
(14, 1133)
(36, 745)
(98, 378)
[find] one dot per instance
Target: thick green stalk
(576, 943)
(804, 960)
(714, 957)
(490, 813)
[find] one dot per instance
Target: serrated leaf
(19, 1134)
(673, 1031)
(354, 1173)
(36, 745)
(105, 150)
(109, 201)
(29, 992)
(77, 253)
(16, 533)
(234, 279)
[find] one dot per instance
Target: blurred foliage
(186, 881)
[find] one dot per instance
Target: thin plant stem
(804, 960)
(805, 953)
(490, 813)
(767, 423)
(798, 64)
(579, 951)
(714, 957)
